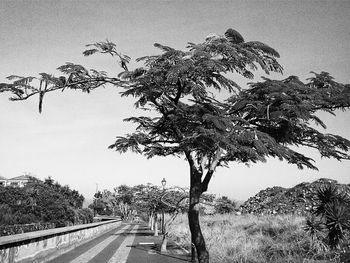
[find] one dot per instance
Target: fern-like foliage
(107, 47)
(252, 125)
(74, 76)
(233, 36)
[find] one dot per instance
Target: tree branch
(179, 92)
(204, 159)
(206, 180)
(213, 164)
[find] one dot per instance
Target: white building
(18, 181)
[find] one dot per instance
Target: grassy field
(256, 239)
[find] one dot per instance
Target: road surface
(129, 243)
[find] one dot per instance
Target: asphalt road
(129, 243)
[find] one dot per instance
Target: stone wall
(41, 246)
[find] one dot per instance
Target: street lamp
(163, 183)
(163, 225)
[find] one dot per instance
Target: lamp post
(163, 225)
(164, 242)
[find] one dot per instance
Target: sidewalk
(146, 249)
(128, 243)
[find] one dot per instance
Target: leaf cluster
(74, 76)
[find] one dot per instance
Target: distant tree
(110, 201)
(224, 205)
(150, 198)
(268, 119)
(85, 215)
(72, 196)
(125, 200)
(100, 205)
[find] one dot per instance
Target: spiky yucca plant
(331, 216)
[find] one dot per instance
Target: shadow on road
(155, 248)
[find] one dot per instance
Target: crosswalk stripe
(124, 249)
(85, 257)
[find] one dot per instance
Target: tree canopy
(248, 126)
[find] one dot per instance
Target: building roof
(22, 177)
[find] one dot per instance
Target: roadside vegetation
(255, 239)
(39, 203)
(320, 234)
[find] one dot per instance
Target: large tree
(266, 119)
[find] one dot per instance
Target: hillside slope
(278, 200)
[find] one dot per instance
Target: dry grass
(256, 239)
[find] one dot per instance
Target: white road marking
(83, 258)
(124, 249)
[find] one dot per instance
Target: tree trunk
(152, 221)
(164, 243)
(193, 217)
(155, 225)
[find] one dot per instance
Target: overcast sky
(69, 140)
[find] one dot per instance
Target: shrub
(224, 205)
(41, 202)
(330, 219)
(6, 215)
(85, 216)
